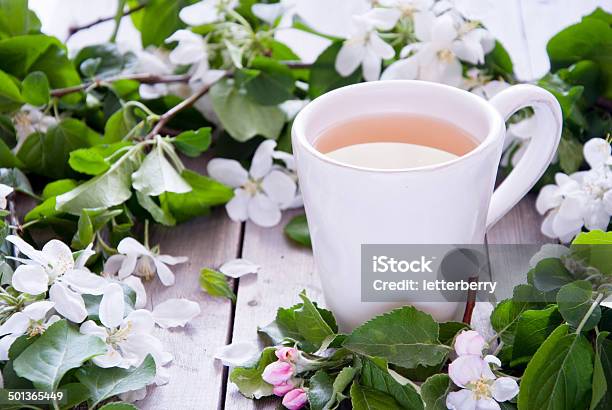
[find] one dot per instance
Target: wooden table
(200, 382)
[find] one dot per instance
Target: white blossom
(286, 10)
(408, 7)
(259, 193)
(30, 119)
(31, 321)
(206, 11)
(191, 50)
(364, 47)
(54, 269)
(5, 191)
(134, 258)
(237, 268)
(583, 199)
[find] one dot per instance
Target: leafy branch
(75, 29)
(144, 78)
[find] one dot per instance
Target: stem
(75, 29)
(143, 78)
(105, 247)
(186, 103)
(146, 233)
(118, 17)
(586, 317)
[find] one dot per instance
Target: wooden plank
(520, 226)
(196, 379)
(286, 269)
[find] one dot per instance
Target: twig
(118, 18)
(143, 78)
(186, 103)
(75, 29)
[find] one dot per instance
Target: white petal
(172, 260)
(279, 187)
(262, 159)
(68, 303)
(16, 324)
(203, 12)
(406, 69)
(268, 12)
(164, 273)
(128, 266)
(113, 264)
(238, 267)
(38, 310)
(466, 369)
(263, 211)
(380, 47)
(27, 249)
(60, 256)
(152, 91)
(175, 312)
(287, 158)
(228, 172)
(134, 395)
(112, 358)
(5, 345)
(504, 388)
(423, 23)
(383, 18)
(237, 207)
(487, 404)
(461, 400)
(547, 224)
(572, 207)
(238, 354)
(112, 306)
(83, 281)
(5, 190)
(132, 246)
(443, 30)
(563, 227)
(481, 320)
(371, 66)
(548, 198)
(83, 255)
(135, 283)
(30, 279)
(607, 200)
(141, 321)
(349, 58)
(493, 360)
(597, 219)
(597, 151)
(91, 328)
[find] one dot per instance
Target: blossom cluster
(582, 199)
(470, 371)
(281, 375)
(57, 283)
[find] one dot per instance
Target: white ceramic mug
(451, 202)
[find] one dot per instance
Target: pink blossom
(278, 372)
(295, 399)
(281, 389)
(469, 342)
(287, 354)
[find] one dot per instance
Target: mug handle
(540, 152)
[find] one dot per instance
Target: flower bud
(469, 343)
(287, 354)
(278, 372)
(281, 389)
(295, 399)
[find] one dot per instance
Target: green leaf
(103, 191)
(7, 158)
(193, 143)
(570, 153)
(10, 96)
(58, 187)
(8, 135)
(46, 209)
(249, 380)
(448, 331)
(110, 382)
(310, 323)
(559, 374)
(574, 300)
(364, 398)
(35, 89)
(93, 161)
(297, 230)
(13, 177)
(594, 249)
(568, 96)
(341, 382)
(16, 19)
(47, 154)
(85, 232)
(119, 125)
(415, 343)
(160, 20)
(205, 192)
(118, 406)
(241, 117)
(532, 329)
(159, 215)
(602, 372)
(591, 39)
(267, 82)
(60, 349)
(215, 284)
(434, 391)
(284, 326)
(157, 175)
(75, 394)
(550, 274)
(323, 74)
(320, 390)
(499, 60)
(378, 378)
